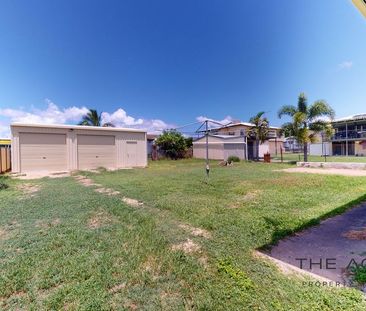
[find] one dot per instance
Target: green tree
(259, 131)
(92, 118)
(172, 143)
(306, 121)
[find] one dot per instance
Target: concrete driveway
(329, 248)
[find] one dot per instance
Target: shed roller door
(96, 151)
(42, 152)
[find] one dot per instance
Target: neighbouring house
(220, 147)
(291, 144)
(349, 138)
(55, 148)
(231, 139)
(5, 142)
(5, 155)
(150, 140)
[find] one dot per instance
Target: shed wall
(120, 149)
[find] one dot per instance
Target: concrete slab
(325, 171)
(329, 248)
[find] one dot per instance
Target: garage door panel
(96, 151)
(93, 140)
(43, 152)
(42, 139)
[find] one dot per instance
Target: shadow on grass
(279, 234)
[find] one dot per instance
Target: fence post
(1, 160)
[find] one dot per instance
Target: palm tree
(306, 120)
(259, 130)
(92, 118)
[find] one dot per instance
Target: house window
(231, 133)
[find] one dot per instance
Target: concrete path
(326, 171)
(327, 249)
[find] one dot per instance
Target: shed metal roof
(78, 127)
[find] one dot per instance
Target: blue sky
(155, 64)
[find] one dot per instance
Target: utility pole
(245, 145)
(207, 162)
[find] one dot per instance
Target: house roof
(78, 127)
(242, 124)
(151, 136)
(221, 137)
(5, 141)
(355, 117)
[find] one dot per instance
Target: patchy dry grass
(99, 219)
(70, 247)
(188, 247)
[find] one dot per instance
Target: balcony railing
(342, 135)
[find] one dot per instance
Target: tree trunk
(305, 152)
(257, 149)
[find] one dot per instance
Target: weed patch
(238, 276)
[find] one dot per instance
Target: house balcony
(349, 135)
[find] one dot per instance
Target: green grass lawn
(312, 158)
(65, 246)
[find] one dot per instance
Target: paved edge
(286, 268)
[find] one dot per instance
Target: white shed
(55, 148)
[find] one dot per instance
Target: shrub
(233, 159)
(3, 185)
(360, 275)
(172, 143)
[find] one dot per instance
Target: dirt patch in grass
(11, 300)
(131, 305)
(3, 234)
(99, 220)
(188, 247)
(250, 196)
(8, 230)
(117, 288)
(356, 234)
(168, 299)
(45, 224)
(196, 231)
(29, 189)
(87, 182)
(152, 266)
(132, 202)
(107, 191)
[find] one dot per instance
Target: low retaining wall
(341, 165)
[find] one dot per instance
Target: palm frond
(320, 108)
(302, 103)
(287, 110)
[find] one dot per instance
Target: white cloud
(51, 115)
(345, 65)
(71, 115)
(121, 119)
(226, 120)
